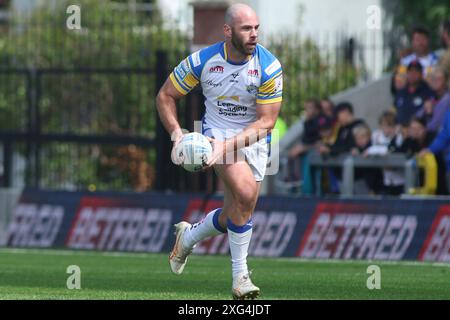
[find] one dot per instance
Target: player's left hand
(218, 152)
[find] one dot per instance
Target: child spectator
(371, 176)
(385, 136)
(382, 137)
(346, 121)
(419, 139)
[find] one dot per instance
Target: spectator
(398, 82)
(371, 176)
(310, 132)
(420, 40)
(442, 142)
(382, 137)
(410, 99)
(444, 61)
(327, 107)
(362, 138)
(435, 108)
(346, 121)
(326, 131)
(327, 137)
(394, 179)
(421, 139)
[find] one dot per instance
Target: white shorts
(256, 155)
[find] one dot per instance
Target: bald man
(242, 83)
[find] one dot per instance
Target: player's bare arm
(167, 109)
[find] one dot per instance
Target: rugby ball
(195, 150)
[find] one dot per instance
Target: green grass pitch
(41, 274)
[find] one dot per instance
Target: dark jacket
(344, 140)
(310, 131)
(408, 102)
(410, 146)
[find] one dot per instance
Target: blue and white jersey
(232, 91)
(427, 62)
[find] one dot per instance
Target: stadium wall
(313, 228)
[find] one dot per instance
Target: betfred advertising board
(392, 229)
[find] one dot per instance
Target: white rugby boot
(243, 288)
(178, 256)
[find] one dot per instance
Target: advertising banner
(312, 228)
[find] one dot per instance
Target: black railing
(93, 128)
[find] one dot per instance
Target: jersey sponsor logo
(234, 75)
(437, 243)
(216, 69)
(253, 73)
(184, 69)
(231, 110)
(211, 83)
(196, 59)
(274, 66)
(348, 232)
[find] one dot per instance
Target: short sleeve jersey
(232, 91)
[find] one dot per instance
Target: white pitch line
(62, 252)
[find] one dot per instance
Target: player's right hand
(177, 159)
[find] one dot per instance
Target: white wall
(315, 18)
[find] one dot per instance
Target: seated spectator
(420, 41)
(442, 143)
(371, 176)
(410, 99)
(310, 132)
(434, 109)
(346, 121)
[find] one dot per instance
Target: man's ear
(227, 31)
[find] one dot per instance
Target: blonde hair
(361, 129)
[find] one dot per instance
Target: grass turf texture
(41, 274)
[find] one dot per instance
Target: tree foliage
(403, 15)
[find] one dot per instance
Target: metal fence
(73, 129)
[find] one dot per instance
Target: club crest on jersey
(216, 69)
(252, 89)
